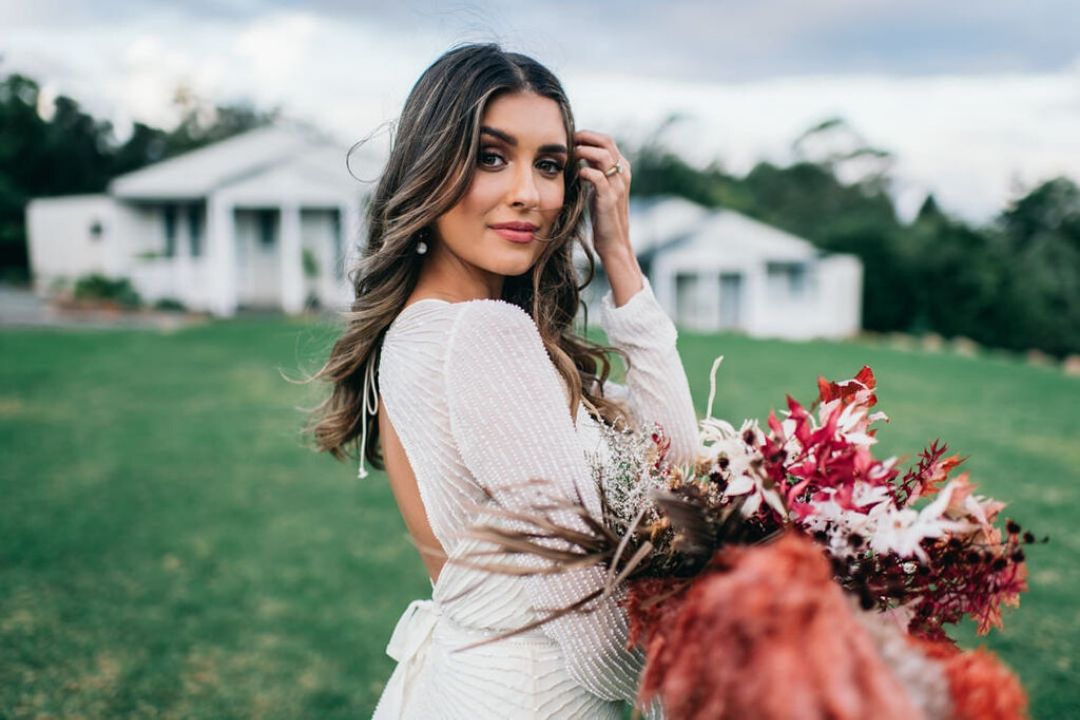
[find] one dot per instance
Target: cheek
(553, 198)
(484, 194)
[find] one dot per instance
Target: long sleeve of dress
(510, 420)
(656, 389)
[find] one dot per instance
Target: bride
(460, 374)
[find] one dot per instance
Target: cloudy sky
(977, 101)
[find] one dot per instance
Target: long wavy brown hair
(430, 168)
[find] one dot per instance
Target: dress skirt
(519, 677)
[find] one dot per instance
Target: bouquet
(795, 556)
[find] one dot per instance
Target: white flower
(739, 462)
(848, 425)
(866, 494)
(752, 485)
(880, 471)
(840, 523)
(901, 531)
(715, 430)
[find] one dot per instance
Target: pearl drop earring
(421, 247)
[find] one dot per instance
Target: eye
(486, 153)
(485, 156)
(553, 167)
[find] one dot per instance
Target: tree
(72, 152)
(1040, 235)
(1012, 284)
(202, 122)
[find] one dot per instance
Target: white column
(221, 253)
(292, 270)
(711, 287)
(353, 237)
(759, 321)
(182, 261)
(663, 284)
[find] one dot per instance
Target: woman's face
(518, 179)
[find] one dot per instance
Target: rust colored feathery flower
(764, 632)
(981, 687)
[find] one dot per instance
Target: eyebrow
(511, 140)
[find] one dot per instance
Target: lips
(521, 226)
(518, 232)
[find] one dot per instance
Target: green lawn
(169, 547)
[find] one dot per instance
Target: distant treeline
(1014, 283)
(56, 148)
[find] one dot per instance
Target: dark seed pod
(866, 599)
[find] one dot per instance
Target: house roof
(198, 173)
(665, 224)
(687, 234)
(726, 235)
(655, 221)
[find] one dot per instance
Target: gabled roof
(656, 220)
(729, 228)
(726, 235)
(668, 223)
(198, 173)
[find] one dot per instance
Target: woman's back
(415, 385)
(412, 384)
(476, 403)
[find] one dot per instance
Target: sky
(977, 102)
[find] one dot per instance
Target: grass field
(169, 548)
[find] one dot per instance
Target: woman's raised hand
(609, 204)
(609, 209)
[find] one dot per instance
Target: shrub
(170, 304)
(98, 287)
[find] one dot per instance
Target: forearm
(624, 274)
(656, 383)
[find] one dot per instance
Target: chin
(512, 263)
(514, 269)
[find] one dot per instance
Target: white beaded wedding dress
(477, 402)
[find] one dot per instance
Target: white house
(271, 218)
(265, 219)
(721, 270)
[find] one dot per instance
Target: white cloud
(275, 50)
(966, 137)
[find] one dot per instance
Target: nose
(523, 190)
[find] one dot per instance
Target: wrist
(617, 255)
(624, 275)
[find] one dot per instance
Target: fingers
(609, 205)
(600, 149)
(601, 154)
(601, 158)
(605, 193)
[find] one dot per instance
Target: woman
(460, 360)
